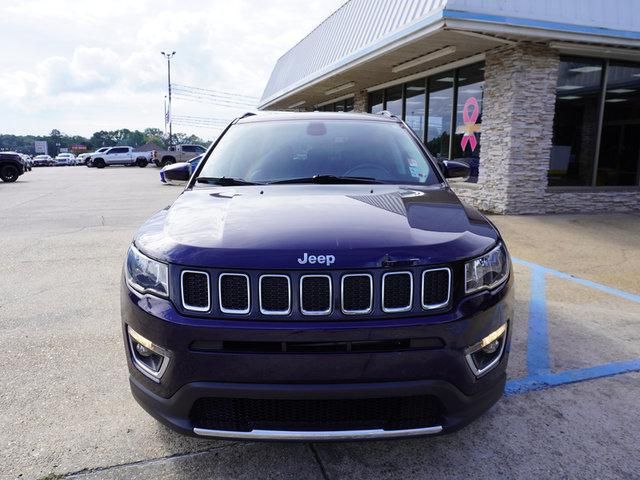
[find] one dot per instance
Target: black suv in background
(11, 166)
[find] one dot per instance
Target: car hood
(267, 227)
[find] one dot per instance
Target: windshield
(275, 151)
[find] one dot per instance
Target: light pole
(168, 57)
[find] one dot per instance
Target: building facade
(541, 99)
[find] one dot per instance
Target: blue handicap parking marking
(539, 375)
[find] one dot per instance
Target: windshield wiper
(327, 179)
(225, 181)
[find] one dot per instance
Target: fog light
(152, 360)
(486, 354)
(492, 347)
(142, 350)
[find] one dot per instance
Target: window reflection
(414, 106)
(575, 130)
(439, 120)
(376, 102)
(620, 142)
(466, 143)
(394, 100)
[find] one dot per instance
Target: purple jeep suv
(317, 279)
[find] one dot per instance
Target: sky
(80, 66)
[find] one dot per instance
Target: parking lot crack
(88, 471)
(323, 471)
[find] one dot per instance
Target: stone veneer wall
(517, 128)
(360, 101)
(603, 201)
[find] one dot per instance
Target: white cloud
(81, 66)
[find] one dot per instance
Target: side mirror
(456, 169)
(178, 172)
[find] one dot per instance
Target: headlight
(487, 271)
(146, 275)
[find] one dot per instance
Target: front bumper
(441, 373)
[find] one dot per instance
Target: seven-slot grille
(275, 295)
(359, 293)
(233, 291)
(195, 291)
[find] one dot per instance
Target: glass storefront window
(376, 101)
(394, 100)
(575, 129)
(620, 141)
(439, 118)
(466, 142)
(415, 94)
(348, 105)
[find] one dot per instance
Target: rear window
(288, 149)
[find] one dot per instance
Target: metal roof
(362, 27)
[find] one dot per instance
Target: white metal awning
(368, 42)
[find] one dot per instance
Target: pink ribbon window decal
(470, 126)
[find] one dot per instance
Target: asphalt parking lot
(571, 408)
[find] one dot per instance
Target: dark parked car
(317, 280)
(11, 166)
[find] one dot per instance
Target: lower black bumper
(459, 409)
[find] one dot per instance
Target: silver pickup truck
(179, 153)
(120, 156)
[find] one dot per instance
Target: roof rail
(387, 113)
(244, 115)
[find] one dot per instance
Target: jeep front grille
(233, 291)
(315, 294)
(333, 294)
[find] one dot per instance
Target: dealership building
(541, 98)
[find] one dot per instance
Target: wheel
(168, 161)
(99, 163)
(142, 162)
(9, 173)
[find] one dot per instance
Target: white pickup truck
(121, 156)
(179, 153)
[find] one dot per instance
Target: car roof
(277, 116)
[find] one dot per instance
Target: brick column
(517, 129)
(360, 101)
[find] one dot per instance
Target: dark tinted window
(118, 150)
(620, 143)
(289, 149)
(439, 119)
(348, 105)
(575, 128)
(376, 100)
(466, 142)
(394, 100)
(415, 93)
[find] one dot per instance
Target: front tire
(9, 173)
(142, 162)
(168, 161)
(99, 163)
